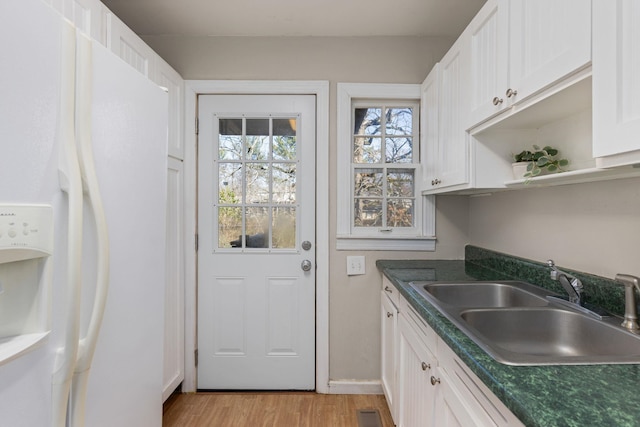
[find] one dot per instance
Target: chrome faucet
(630, 308)
(570, 283)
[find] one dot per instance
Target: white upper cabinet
(520, 47)
(548, 39)
(616, 85)
(488, 47)
(444, 110)
(168, 78)
(429, 110)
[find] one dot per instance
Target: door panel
(256, 197)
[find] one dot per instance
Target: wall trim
(355, 387)
(193, 88)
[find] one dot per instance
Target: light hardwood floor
(270, 409)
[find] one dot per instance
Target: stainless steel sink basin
(485, 294)
(521, 324)
(550, 336)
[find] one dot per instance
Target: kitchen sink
(550, 336)
(518, 323)
(493, 294)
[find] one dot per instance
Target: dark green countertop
(540, 396)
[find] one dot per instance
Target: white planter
(519, 169)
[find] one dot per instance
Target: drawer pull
(389, 314)
(426, 366)
(388, 289)
(496, 101)
(435, 380)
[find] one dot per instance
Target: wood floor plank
(270, 409)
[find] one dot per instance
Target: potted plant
(528, 164)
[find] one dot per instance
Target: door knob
(306, 245)
(306, 265)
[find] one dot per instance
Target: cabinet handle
(511, 92)
(497, 101)
(435, 181)
(389, 314)
(435, 380)
(426, 366)
(387, 289)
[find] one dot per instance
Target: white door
(256, 256)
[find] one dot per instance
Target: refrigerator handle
(71, 183)
(87, 344)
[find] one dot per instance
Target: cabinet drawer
(391, 291)
(427, 334)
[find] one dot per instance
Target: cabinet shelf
(575, 177)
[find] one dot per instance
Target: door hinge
(195, 356)
(197, 126)
(197, 241)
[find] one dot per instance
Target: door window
(257, 197)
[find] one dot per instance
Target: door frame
(320, 89)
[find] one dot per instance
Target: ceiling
(295, 18)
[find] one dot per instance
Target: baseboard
(355, 387)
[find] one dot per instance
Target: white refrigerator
(126, 116)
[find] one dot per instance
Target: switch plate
(355, 265)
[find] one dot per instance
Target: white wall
(354, 321)
(593, 227)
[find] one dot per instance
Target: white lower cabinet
(434, 388)
(389, 333)
(416, 364)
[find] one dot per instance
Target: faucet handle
(550, 263)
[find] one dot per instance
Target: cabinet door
(429, 109)
(389, 349)
(167, 77)
(451, 408)
(488, 34)
(616, 86)
(453, 155)
(415, 365)
(132, 49)
(173, 372)
(548, 40)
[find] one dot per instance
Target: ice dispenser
(26, 246)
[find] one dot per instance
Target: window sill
(346, 243)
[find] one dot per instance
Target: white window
(379, 206)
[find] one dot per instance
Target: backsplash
(598, 291)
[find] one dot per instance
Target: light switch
(355, 265)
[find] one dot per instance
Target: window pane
(229, 183)
(257, 225)
(284, 183)
(367, 121)
(368, 182)
(229, 227)
(367, 213)
(284, 127)
(367, 150)
(284, 227)
(400, 183)
(399, 150)
(400, 213)
(399, 121)
(284, 139)
(257, 183)
(230, 139)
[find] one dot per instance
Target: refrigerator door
(129, 120)
(29, 79)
